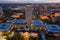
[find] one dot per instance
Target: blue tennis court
(5, 26)
(53, 28)
(21, 21)
(34, 22)
(37, 23)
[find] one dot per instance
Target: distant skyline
(29, 1)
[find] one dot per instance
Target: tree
(33, 38)
(15, 37)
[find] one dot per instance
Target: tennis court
(53, 28)
(5, 26)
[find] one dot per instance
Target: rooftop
(5, 26)
(30, 31)
(37, 23)
(21, 21)
(57, 19)
(34, 22)
(54, 28)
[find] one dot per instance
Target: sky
(31, 1)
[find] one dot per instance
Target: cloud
(40, 1)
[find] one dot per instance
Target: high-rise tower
(28, 10)
(1, 10)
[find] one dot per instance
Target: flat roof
(21, 21)
(57, 14)
(57, 18)
(37, 23)
(19, 30)
(34, 22)
(54, 28)
(5, 26)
